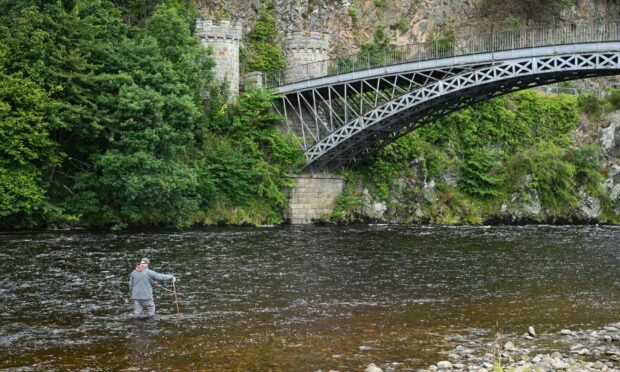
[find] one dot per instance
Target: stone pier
(313, 196)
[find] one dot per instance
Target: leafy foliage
(516, 146)
(103, 120)
(481, 171)
(26, 149)
(264, 52)
(250, 153)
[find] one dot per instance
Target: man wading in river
(141, 288)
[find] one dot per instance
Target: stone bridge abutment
(314, 195)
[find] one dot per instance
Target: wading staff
(176, 299)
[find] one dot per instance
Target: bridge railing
(449, 47)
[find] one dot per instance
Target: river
(298, 297)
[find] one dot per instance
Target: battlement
(313, 41)
(224, 39)
(226, 30)
(302, 48)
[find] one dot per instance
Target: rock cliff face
(609, 137)
(413, 198)
(352, 22)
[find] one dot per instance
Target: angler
(141, 288)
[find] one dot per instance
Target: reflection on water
(298, 298)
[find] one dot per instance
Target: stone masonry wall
(313, 196)
(301, 49)
(224, 39)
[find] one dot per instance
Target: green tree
(264, 52)
(26, 149)
(482, 173)
(129, 115)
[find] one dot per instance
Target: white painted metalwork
(447, 48)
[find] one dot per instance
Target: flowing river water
(298, 298)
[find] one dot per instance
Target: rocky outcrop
(609, 135)
(589, 207)
(351, 23)
(374, 211)
(613, 182)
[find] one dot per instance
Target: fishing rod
(176, 299)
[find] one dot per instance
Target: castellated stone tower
(302, 48)
(224, 40)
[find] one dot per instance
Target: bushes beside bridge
(485, 162)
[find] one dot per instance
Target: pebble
(584, 352)
(598, 365)
(444, 364)
(509, 346)
(558, 364)
(566, 332)
(372, 368)
(531, 331)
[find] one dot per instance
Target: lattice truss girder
(340, 124)
(317, 113)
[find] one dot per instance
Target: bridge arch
(344, 117)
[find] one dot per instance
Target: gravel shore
(564, 350)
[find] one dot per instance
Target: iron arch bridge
(342, 109)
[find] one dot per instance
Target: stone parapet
(313, 197)
(224, 39)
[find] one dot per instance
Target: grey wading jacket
(141, 283)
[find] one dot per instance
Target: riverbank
(566, 350)
(517, 159)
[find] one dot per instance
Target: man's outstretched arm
(163, 277)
